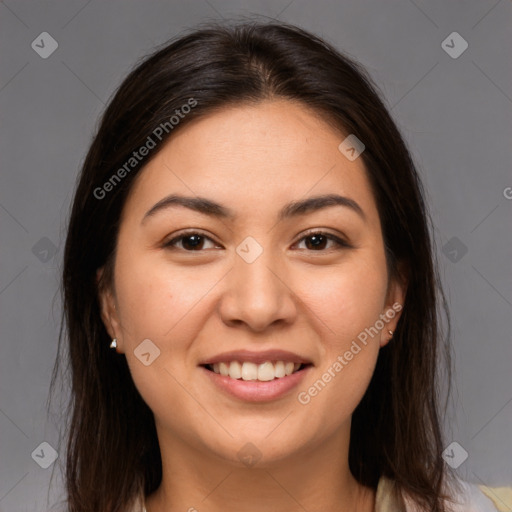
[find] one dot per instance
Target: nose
(259, 294)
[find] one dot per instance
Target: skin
(195, 304)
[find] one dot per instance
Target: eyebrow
(290, 210)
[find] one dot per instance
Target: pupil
(318, 240)
(193, 244)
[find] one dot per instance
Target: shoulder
(469, 498)
(500, 496)
(137, 504)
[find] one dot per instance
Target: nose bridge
(256, 275)
(257, 294)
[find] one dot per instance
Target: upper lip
(256, 357)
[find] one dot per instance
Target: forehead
(253, 157)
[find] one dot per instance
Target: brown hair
(112, 445)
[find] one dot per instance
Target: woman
(249, 233)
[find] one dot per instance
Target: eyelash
(341, 244)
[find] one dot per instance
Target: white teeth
(250, 371)
(235, 370)
(279, 369)
(223, 369)
(266, 371)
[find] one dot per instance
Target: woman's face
(245, 277)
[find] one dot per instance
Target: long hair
(112, 445)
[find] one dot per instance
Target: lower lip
(255, 390)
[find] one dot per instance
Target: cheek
(154, 298)
(158, 304)
(347, 299)
(348, 302)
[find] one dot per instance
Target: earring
(390, 333)
(114, 343)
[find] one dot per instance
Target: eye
(195, 241)
(192, 239)
(319, 240)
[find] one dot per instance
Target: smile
(244, 381)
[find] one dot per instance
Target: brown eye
(190, 242)
(317, 241)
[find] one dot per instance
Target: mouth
(256, 377)
(249, 371)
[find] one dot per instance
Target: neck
(316, 479)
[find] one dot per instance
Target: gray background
(456, 114)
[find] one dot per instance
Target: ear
(394, 305)
(108, 309)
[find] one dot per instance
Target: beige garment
(474, 498)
